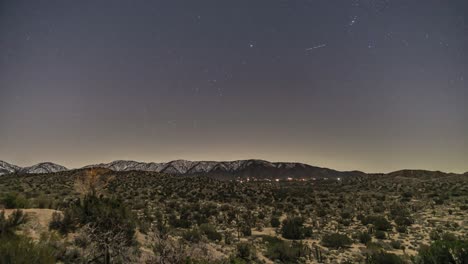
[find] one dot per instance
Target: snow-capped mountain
(45, 167)
(6, 168)
(253, 168)
(127, 165)
(228, 169)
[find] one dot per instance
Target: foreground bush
(107, 228)
(22, 250)
(9, 225)
(14, 200)
(18, 249)
(443, 251)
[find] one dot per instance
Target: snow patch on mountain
(6, 168)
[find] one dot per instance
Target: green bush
(14, 200)
(364, 237)
(384, 258)
(403, 221)
(307, 231)
(443, 251)
(18, 249)
(293, 228)
(192, 235)
(380, 234)
(245, 251)
(210, 232)
(395, 244)
(62, 223)
(336, 240)
(9, 225)
(22, 250)
(108, 224)
(380, 222)
(285, 251)
(401, 229)
(246, 230)
(275, 222)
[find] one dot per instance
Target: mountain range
(44, 167)
(253, 168)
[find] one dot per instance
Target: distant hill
(419, 174)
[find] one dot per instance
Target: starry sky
(372, 85)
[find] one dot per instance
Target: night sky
(372, 85)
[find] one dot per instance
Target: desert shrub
(245, 251)
(285, 251)
(210, 232)
(56, 222)
(14, 200)
(192, 235)
(107, 226)
(380, 222)
(434, 235)
(382, 257)
(321, 212)
(293, 228)
(401, 229)
(43, 202)
(380, 234)
(336, 240)
(443, 252)
(346, 215)
(395, 244)
(438, 201)
(62, 223)
(307, 231)
(448, 237)
(178, 223)
(275, 222)
(246, 230)
(364, 237)
(22, 250)
(19, 249)
(403, 221)
(9, 225)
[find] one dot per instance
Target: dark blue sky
(375, 85)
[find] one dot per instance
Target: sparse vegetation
(136, 217)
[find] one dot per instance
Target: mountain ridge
(249, 168)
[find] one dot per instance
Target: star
(353, 21)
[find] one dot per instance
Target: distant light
(339, 179)
(277, 180)
(289, 179)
